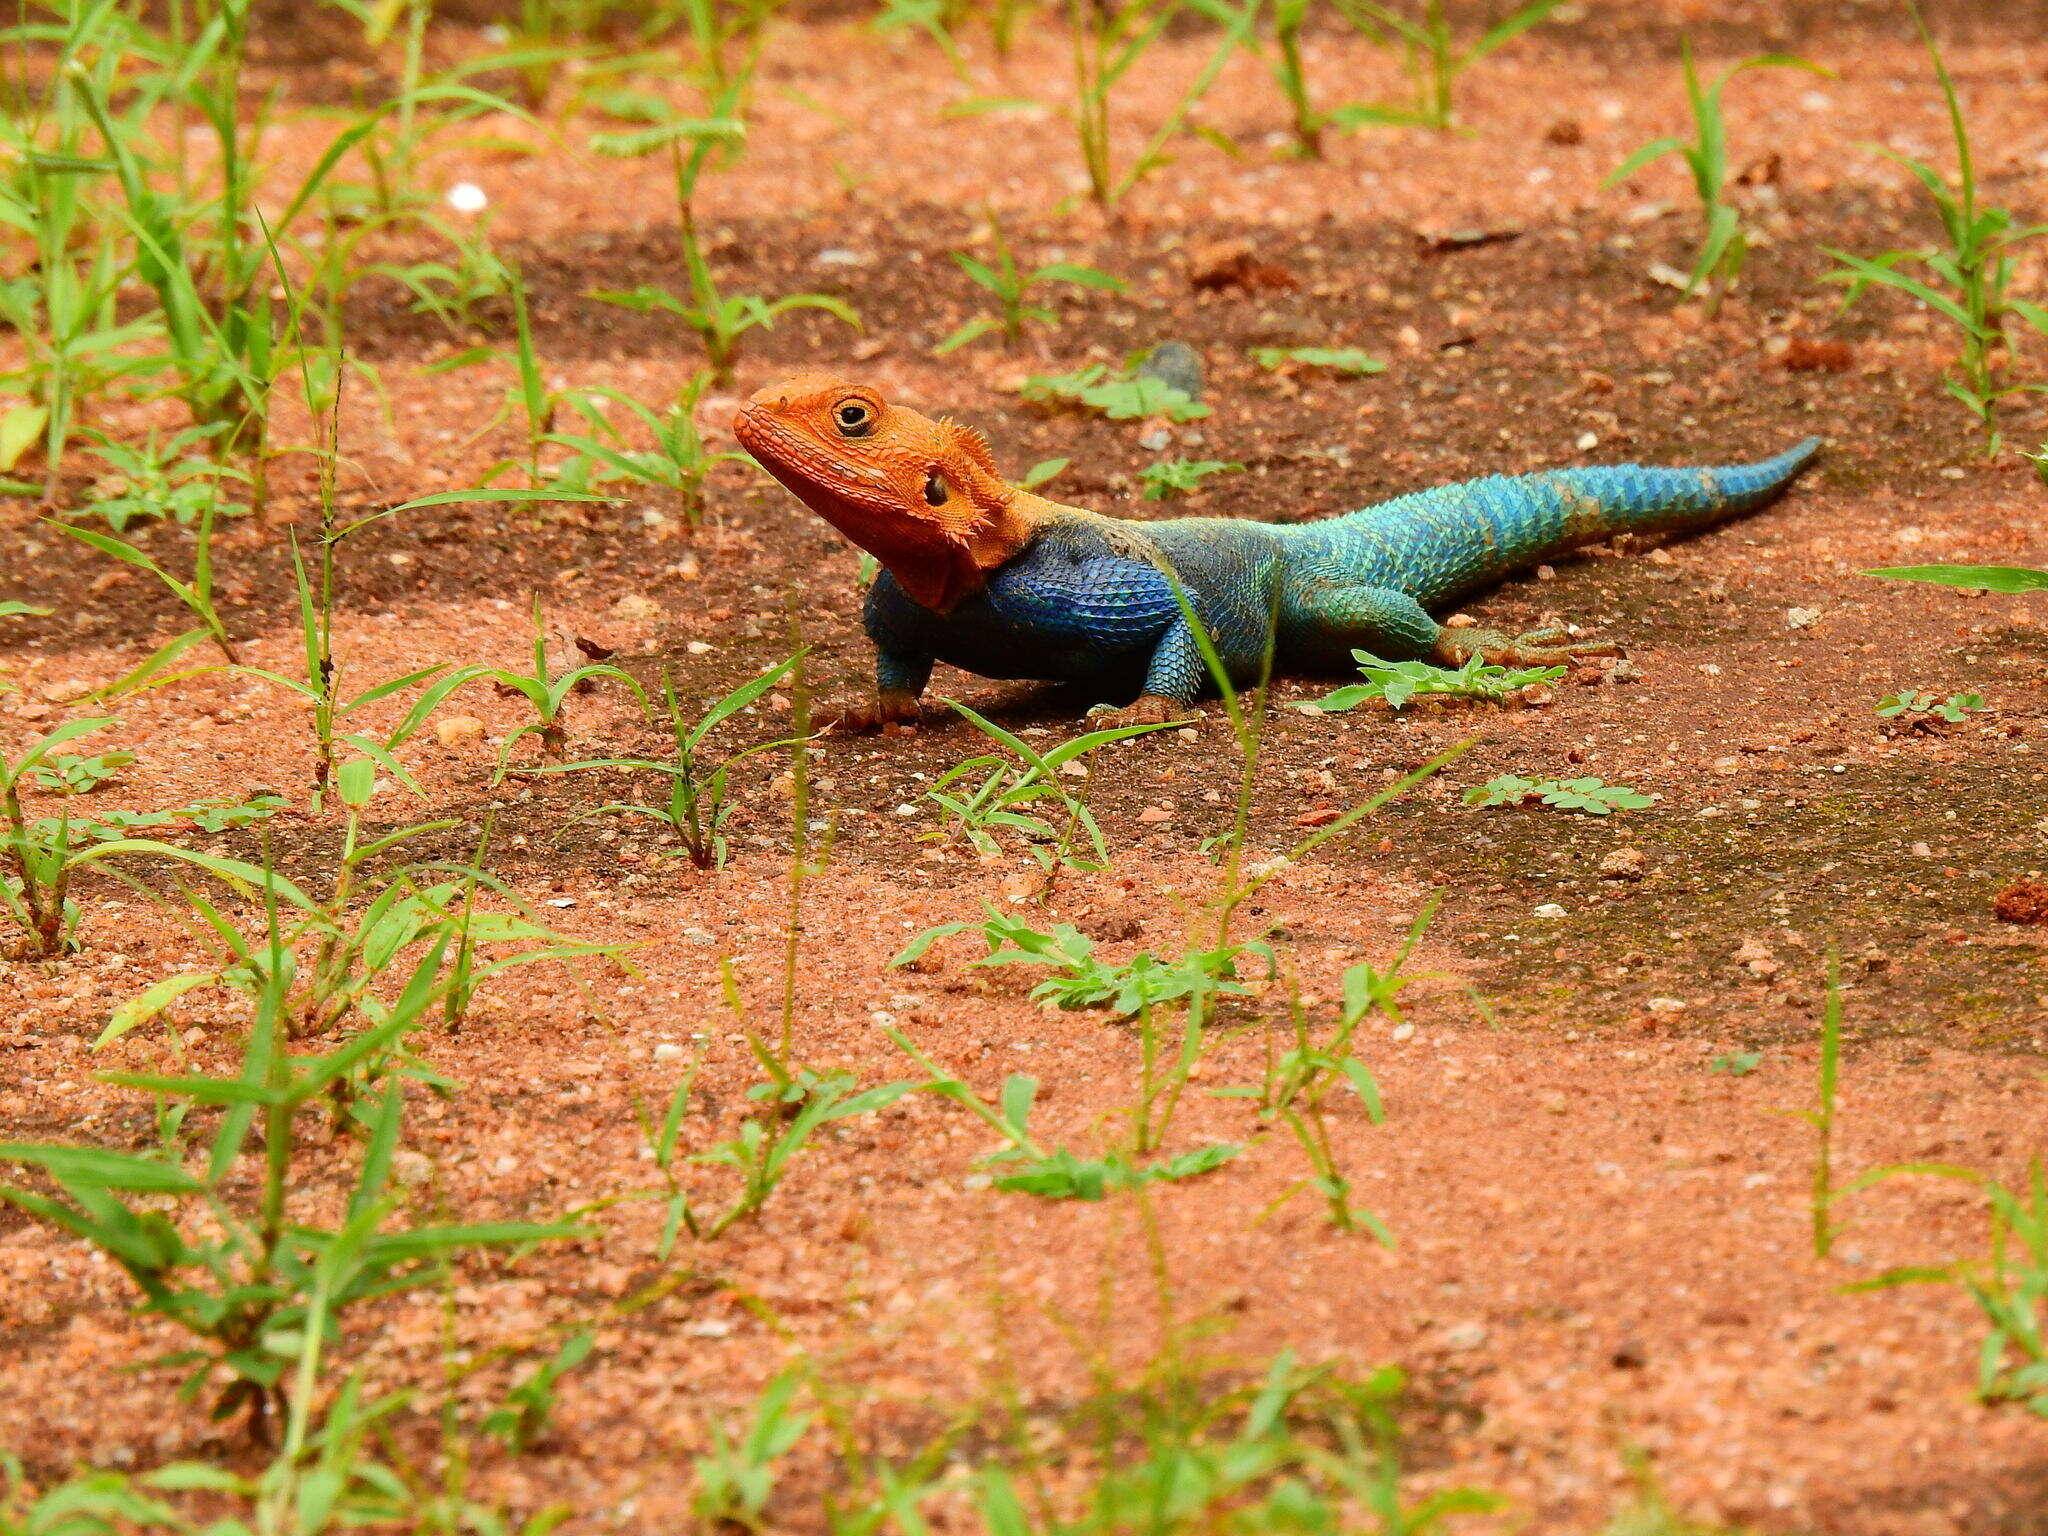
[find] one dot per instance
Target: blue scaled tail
(1436, 544)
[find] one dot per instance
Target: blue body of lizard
(1091, 599)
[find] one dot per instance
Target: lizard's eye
(854, 417)
(935, 489)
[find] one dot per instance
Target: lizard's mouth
(931, 565)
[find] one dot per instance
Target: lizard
(999, 581)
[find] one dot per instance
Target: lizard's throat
(936, 569)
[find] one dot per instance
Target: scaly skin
(1004, 583)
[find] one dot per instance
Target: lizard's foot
(1149, 709)
(1538, 648)
(891, 708)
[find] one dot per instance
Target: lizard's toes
(865, 719)
(1149, 709)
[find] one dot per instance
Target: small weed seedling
(1012, 786)
(737, 1478)
(676, 460)
(1397, 682)
(1127, 987)
(1009, 285)
(1724, 245)
(523, 1418)
(1912, 708)
(1349, 361)
(1109, 38)
(769, 1140)
(1058, 1174)
(168, 479)
(252, 1287)
(1822, 1116)
(1968, 281)
(1593, 796)
(718, 318)
(1177, 477)
(1121, 397)
(1433, 58)
(2010, 1286)
(696, 808)
(547, 693)
(1736, 1063)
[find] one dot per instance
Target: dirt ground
(1602, 1244)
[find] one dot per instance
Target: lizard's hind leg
(1329, 621)
(1325, 622)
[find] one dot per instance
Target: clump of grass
(1014, 784)
(1056, 1174)
(1009, 285)
(1967, 281)
(257, 1288)
(1109, 38)
(697, 804)
(2009, 1285)
(1724, 245)
(1432, 55)
(719, 319)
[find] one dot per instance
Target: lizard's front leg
(1172, 680)
(900, 677)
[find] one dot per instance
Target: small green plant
(1593, 796)
(1398, 682)
(40, 855)
(163, 479)
(1010, 285)
(1108, 39)
(1121, 396)
(524, 1416)
(1968, 281)
(68, 774)
(1296, 1448)
(252, 1285)
(1822, 1116)
(1013, 785)
(1724, 245)
(196, 594)
(1345, 360)
(676, 461)
(1736, 1063)
(547, 693)
(2009, 1286)
(1058, 1174)
(737, 1478)
(1432, 56)
(769, 1140)
(719, 319)
(696, 807)
(1177, 477)
(1137, 985)
(1913, 707)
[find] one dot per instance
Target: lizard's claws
(1538, 648)
(1148, 709)
(889, 709)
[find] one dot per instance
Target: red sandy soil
(1601, 1243)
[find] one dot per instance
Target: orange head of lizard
(922, 496)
